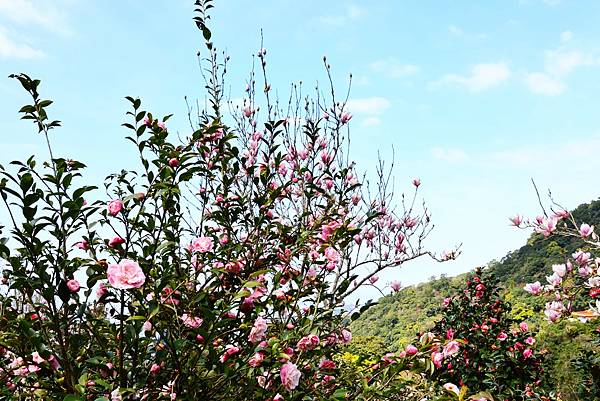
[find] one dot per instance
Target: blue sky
(476, 98)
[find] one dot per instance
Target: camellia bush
(218, 270)
(486, 349)
(573, 287)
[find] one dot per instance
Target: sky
(476, 98)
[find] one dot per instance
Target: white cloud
(551, 2)
(566, 36)
(544, 84)
(562, 62)
(451, 155)
(370, 106)
(41, 13)
(11, 49)
(393, 68)
(351, 13)
(482, 77)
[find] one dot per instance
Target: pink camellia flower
(396, 286)
(527, 353)
(516, 220)
(447, 301)
(326, 364)
(256, 359)
(73, 285)
(533, 288)
(585, 230)
(115, 206)
(174, 162)
(83, 244)
(125, 275)
(452, 388)
(523, 326)
(101, 290)
(309, 342)
(116, 241)
(346, 336)
(201, 244)
(290, 376)
(37, 358)
(278, 397)
(411, 349)
(162, 125)
(416, 182)
(530, 341)
(230, 350)
(450, 334)
(191, 321)
(437, 358)
(147, 326)
(502, 336)
(332, 255)
(258, 331)
(147, 121)
(451, 348)
(154, 369)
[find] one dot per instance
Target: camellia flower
(101, 290)
(258, 331)
(290, 376)
(451, 348)
(191, 321)
(346, 336)
(523, 326)
(437, 358)
(256, 359)
(309, 342)
(114, 207)
(116, 241)
(411, 349)
(125, 275)
(73, 285)
(201, 244)
(452, 388)
(83, 244)
(230, 350)
(527, 353)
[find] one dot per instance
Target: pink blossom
(437, 358)
(154, 369)
(396, 286)
(174, 162)
(516, 220)
(447, 301)
(191, 321)
(201, 244)
(125, 275)
(256, 359)
(247, 111)
(37, 358)
(523, 326)
(73, 285)
(116, 241)
(162, 125)
(451, 348)
(345, 117)
(561, 270)
(147, 326)
(411, 349)
(530, 341)
(332, 255)
(278, 397)
(258, 331)
(290, 376)
(230, 350)
(527, 353)
(533, 288)
(416, 182)
(309, 342)
(101, 290)
(581, 258)
(373, 279)
(547, 226)
(326, 364)
(114, 207)
(346, 336)
(83, 244)
(585, 230)
(502, 336)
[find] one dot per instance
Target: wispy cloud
(452, 155)
(351, 13)
(482, 77)
(369, 105)
(544, 84)
(455, 31)
(41, 13)
(559, 63)
(392, 68)
(9, 48)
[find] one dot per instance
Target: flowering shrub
(486, 349)
(572, 286)
(217, 270)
